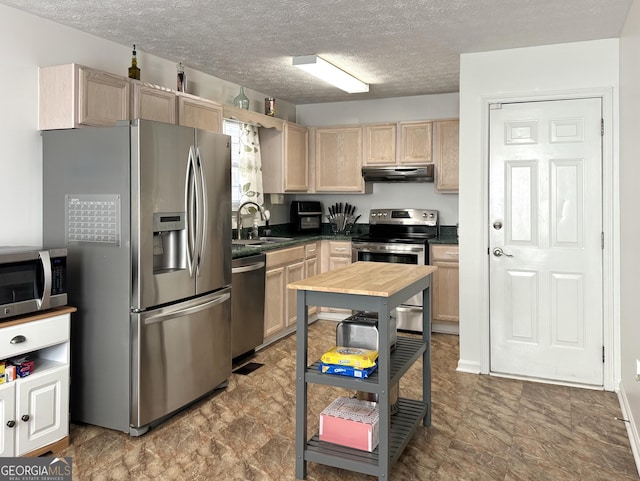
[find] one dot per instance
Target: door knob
(11, 423)
(499, 252)
(25, 417)
(497, 225)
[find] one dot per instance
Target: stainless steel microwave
(32, 280)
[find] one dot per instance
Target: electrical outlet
(277, 198)
(637, 369)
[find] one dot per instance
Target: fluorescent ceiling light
(322, 69)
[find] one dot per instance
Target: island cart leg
(426, 357)
(302, 328)
(384, 413)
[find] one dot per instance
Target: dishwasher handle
(250, 268)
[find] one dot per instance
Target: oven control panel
(404, 216)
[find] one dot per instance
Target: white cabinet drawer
(35, 335)
(444, 252)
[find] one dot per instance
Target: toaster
(361, 330)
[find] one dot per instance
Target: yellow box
(351, 356)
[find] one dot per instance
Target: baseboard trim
(632, 427)
(472, 367)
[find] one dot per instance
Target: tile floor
(484, 428)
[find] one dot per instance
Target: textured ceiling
(401, 48)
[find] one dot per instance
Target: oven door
(409, 313)
(388, 252)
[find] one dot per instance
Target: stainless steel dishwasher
(247, 303)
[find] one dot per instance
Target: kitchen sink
(274, 239)
(260, 241)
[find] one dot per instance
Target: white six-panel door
(545, 255)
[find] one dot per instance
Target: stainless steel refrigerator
(144, 209)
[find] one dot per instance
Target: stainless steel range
(399, 236)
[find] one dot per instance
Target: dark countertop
(447, 236)
(298, 239)
(449, 239)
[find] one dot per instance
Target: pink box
(350, 422)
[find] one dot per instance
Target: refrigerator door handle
(201, 214)
(191, 198)
(178, 311)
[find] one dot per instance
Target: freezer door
(163, 239)
(179, 353)
(213, 181)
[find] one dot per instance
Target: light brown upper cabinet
(445, 154)
(380, 144)
(285, 163)
(415, 143)
(151, 102)
(401, 143)
(73, 95)
(338, 159)
(199, 113)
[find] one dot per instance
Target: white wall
(630, 221)
(508, 73)
(424, 107)
(27, 42)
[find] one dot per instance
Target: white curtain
(250, 167)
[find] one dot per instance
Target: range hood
(398, 174)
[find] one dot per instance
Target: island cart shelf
(374, 287)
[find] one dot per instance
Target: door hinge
(496, 106)
(602, 127)
(603, 354)
(602, 240)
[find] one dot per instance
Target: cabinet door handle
(11, 423)
(341, 249)
(18, 339)
(25, 417)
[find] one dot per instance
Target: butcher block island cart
(374, 287)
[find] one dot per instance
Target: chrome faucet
(239, 220)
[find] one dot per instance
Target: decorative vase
(241, 101)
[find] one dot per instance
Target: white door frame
(610, 224)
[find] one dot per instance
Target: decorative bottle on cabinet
(241, 101)
(134, 70)
(182, 78)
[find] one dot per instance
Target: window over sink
(232, 128)
(246, 163)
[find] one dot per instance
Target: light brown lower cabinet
(283, 267)
(335, 254)
(312, 266)
(445, 299)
